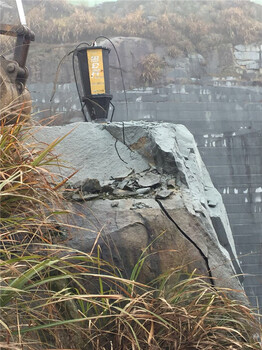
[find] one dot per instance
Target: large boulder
(143, 190)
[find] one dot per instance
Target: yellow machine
(94, 72)
(14, 97)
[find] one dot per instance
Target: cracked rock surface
(144, 184)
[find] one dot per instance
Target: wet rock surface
(149, 189)
(224, 60)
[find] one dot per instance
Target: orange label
(96, 71)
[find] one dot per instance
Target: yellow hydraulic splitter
(15, 99)
(94, 72)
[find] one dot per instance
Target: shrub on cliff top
(151, 68)
(235, 22)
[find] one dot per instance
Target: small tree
(151, 68)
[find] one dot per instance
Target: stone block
(253, 65)
(247, 55)
(246, 63)
(243, 48)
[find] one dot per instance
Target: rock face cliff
(242, 62)
(143, 185)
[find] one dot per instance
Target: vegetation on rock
(151, 68)
(190, 26)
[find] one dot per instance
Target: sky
(96, 2)
(89, 2)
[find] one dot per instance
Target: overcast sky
(96, 2)
(89, 2)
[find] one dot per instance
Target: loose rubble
(147, 184)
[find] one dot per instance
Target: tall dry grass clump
(54, 297)
(28, 196)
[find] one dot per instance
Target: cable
(205, 258)
(59, 66)
(124, 88)
(119, 154)
(58, 72)
(112, 111)
(74, 72)
(56, 79)
(123, 83)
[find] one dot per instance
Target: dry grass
(28, 199)
(173, 23)
(151, 69)
(46, 302)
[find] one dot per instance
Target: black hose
(120, 67)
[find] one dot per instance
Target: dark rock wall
(226, 121)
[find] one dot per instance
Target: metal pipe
(21, 12)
